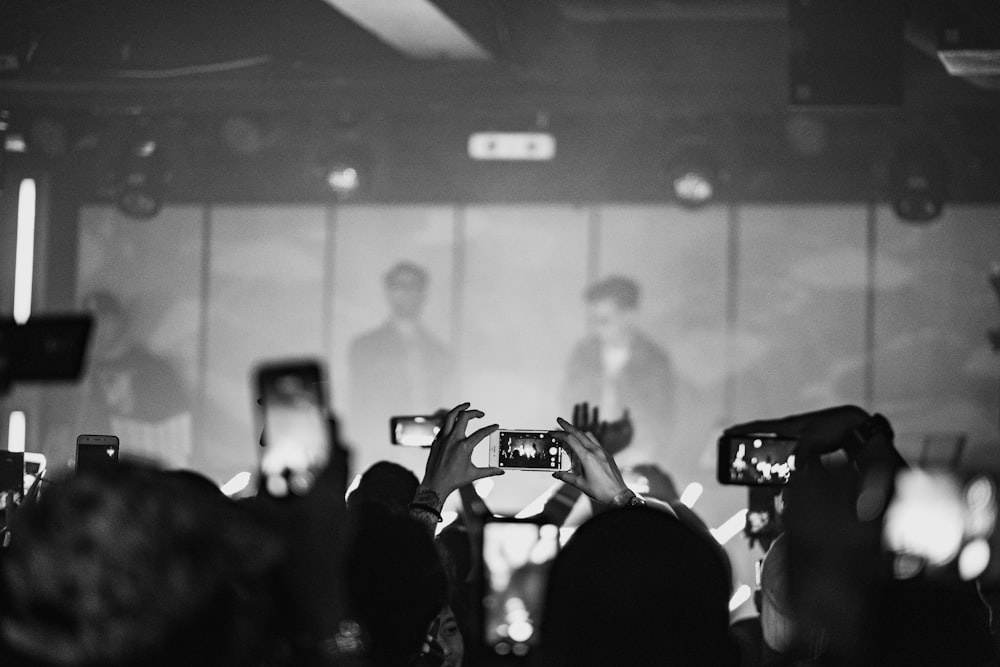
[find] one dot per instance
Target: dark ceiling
(803, 99)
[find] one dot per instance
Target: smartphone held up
(527, 450)
(295, 426)
(757, 459)
(96, 453)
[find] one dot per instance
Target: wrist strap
(627, 498)
(426, 508)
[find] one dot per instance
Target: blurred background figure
(132, 392)
(617, 368)
(398, 368)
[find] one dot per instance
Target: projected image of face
(406, 293)
(611, 323)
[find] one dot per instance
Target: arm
(449, 464)
(594, 470)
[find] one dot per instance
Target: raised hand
(613, 436)
(819, 432)
(594, 470)
(449, 464)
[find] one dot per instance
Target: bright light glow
(693, 187)
(692, 493)
(520, 631)
(239, 482)
(926, 517)
(974, 558)
(732, 527)
(416, 28)
(343, 179)
(514, 146)
(15, 143)
(25, 259)
(17, 429)
(740, 597)
(353, 486)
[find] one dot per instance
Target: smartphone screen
(295, 430)
(517, 556)
(416, 431)
(96, 453)
(756, 460)
(528, 450)
(12, 472)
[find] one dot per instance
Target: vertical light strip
(16, 431)
(25, 259)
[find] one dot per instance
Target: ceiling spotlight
(344, 166)
(344, 179)
(693, 174)
(140, 178)
(918, 182)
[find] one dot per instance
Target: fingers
(462, 422)
(489, 472)
(579, 413)
(478, 435)
(567, 477)
(449, 419)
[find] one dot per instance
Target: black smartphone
(295, 425)
(12, 472)
(759, 459)
(516, 557)
(96, 453)
(414, 431)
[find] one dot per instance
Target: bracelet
(427, 508)
(627, 498)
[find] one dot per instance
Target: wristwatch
(627, 498)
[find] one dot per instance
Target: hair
(400, 269)
(396, 582)
(661, 597)
(136, 567)
(620, 289)
(388, 484)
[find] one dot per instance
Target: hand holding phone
(594, 470)
(296, 433)
(757, 459)
(449, 464)
(526, 450)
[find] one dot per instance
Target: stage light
(344, 179)
(140, 177)
(693, 174)
(17, 429)
(691, 494)
(239, 482)
(742, 594)
(345, 168)
(918, 182)
(512, 146)
(730, 528)
(24, 258)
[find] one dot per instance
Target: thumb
(489, 472)
(566, 477)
